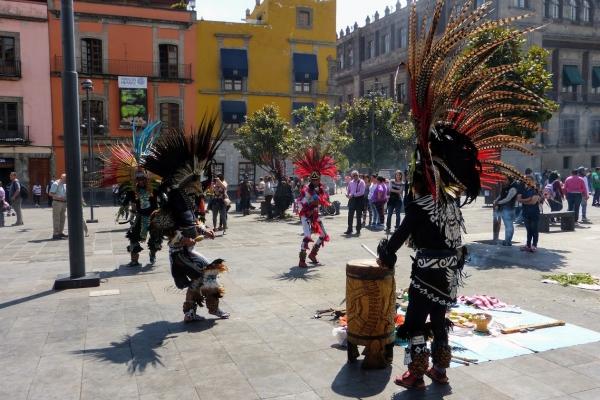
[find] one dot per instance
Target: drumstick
(534, 326)
(460, 361)
(369, 250)
(464, 358)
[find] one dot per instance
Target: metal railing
(130, 68)
(10, 68)
(16, 134)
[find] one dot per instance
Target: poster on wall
(133, 101)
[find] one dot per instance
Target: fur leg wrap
(441, 355)
(189, 305)
(302, 262)
(135, 257)
(419, 364)
(212, 303)
(313, 253)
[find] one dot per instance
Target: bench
(567, 221)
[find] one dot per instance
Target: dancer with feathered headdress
(184, 161)
(137, 187)
(458, 109)
(313, 163)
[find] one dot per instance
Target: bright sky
(348, 11)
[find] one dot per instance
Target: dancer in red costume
(313, 163)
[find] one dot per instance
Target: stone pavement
(125, 339)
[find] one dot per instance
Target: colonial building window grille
(568, 135)
(585, 8)
(9, 119)
(350, 57)
(246, 168)
(169, 115)
(567, 162)
(573, 10)
(303, 20)
(96, 111)
(595, 131)
(371, 48)
(519, 3)
(302, 87)
(91, 56)
(555, 7)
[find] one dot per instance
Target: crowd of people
(520, 203)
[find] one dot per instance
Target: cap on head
(581, 169)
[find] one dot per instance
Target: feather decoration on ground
(460, 107)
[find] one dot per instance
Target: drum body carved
(371, 311)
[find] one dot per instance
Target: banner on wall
(133, 101)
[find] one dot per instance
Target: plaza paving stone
(130, 342)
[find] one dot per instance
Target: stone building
(369, 57)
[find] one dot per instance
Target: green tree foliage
(530, 72)
(394, 134)
(265, 132)
(317, 128)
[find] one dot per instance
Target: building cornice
(317, 42)
(23, 18)
(233, 35)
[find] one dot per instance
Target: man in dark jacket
(246, 191)
(504, 205)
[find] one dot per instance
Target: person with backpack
(15, 197)
(596, 187)
(554, 192)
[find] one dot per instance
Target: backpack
(24, 192)
(549, 190)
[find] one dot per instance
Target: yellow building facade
(283, 54)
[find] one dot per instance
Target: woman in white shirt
(371, 205)
(37, 193)
(395, 194)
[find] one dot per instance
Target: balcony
(10, 69)
(14, 134)
(114, 68)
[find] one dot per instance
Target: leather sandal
(410, 381)
(437, 376)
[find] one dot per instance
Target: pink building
(25, 102)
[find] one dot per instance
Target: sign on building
(133, 101)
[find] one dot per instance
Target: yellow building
(284, 53)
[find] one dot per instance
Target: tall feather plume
(314, 158)
(478, 105)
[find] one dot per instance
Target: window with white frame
(232, 84)
(573, 10)
(585, 11)
(403, 37)
(302, 87)
(554, 11)
(519, 3)
(386, 43)
(231, 128)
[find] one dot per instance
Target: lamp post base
(66, 282)
(91, 221)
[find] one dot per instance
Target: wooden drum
(371, 312)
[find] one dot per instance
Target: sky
(348, 11)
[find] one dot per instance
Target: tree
(394, 134)
(530, 72)
(317, 128)
(265, 138)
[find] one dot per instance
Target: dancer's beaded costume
(458, 108)
(313, 163)
(184, 161)
(137, 188)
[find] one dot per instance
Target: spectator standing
(269, 193)
(2, 196)
(366, 204)
(504, 205)
(379, 198)
(372, 188)
(58, 191)
(347, 180)
(15, 198)
(115, 193)
(575, 191)
(261, 187)
(48, 187)
(355, 192)
(554, 187)
(583, 175)
(338, 183)
(531, 216)
(218, 203)
(396, 193)
(245, 192)
(596, 187)
(37, 194)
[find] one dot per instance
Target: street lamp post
(87, 85)
(372, 95)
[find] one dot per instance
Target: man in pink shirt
(576, 190)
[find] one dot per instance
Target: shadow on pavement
(44, 240)
(484, 257)
(375, 381)
(25, 299)
(141, 350)
(114, 230)
(438, 392)
(299, 274)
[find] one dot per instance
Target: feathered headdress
(314, 162)
(275, 164)
(184, 160)
(459, 107)
(123, 165)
